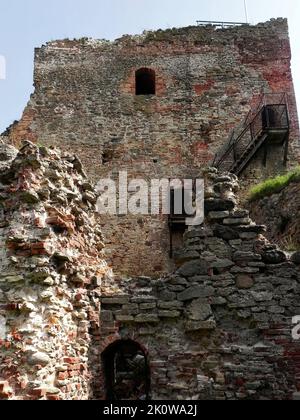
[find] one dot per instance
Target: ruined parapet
(219, 327)
(51, 269)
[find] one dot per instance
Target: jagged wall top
(186, 34)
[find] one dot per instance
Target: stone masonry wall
(51, 269)
(280, 212)
(206, 79)
(220, 326)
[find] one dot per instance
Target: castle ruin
(133, 306)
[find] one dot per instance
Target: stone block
(198, 310)
(195, 292)
(246, 256)
(295, 258)
(168, 314)
(38, 358)
(221, 264)
(146, 319)
(244, 282)
(262, 296)
(274, 257)
(192, 326)
(215, 204)
(166, 295)
(194, 268)
(226, 233)
(237, 221)
(218, 215)
(147, 306)
(170, 305)
(125, 318)
(115, 300)
(143, 299)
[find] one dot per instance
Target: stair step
(248, 153)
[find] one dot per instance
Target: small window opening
(107, 156)
(145, 82)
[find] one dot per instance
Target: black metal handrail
(225, 147)
(255, 110)
(267, 116)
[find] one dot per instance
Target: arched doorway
(126, 370)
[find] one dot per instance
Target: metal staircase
(266, 124)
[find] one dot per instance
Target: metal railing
(220, 24)
(271, 113)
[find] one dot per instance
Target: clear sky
(26, 24)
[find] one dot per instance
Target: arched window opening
(145, 82)
(126, 370)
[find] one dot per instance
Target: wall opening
(275, 116)
(126, 370)
(107, 156)
(177, 217)
(145, 82)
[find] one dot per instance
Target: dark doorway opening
(179, 199)
(269, 117)
(127, 372)
(145, 82)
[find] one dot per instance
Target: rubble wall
(51, 271)
(280, 213)
(219, 327)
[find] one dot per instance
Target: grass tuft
(289, 244)
(273, 185)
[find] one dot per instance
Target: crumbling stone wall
(220, 326)
(51, 270)
(206, 79)
(280, 213)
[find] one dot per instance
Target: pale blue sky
(26, 24)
